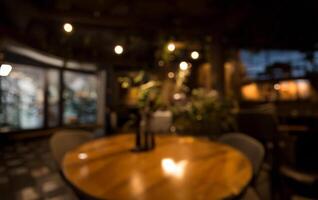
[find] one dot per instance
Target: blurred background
(201, 68)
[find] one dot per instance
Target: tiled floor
(28, 172)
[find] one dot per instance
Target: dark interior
(109, 99)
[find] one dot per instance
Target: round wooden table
(178, 168)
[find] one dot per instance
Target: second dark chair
(250, 147)
(253, 150)
(65, 140)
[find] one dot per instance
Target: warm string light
(171, 75)
(161, 63)
(195, 55)
(68, 27)
(171, 47)
(183, 66)
(277, 86)
(118, 49)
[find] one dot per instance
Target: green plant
(149, 96)
(204, 113)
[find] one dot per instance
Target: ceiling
(142, 26)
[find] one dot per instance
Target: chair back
(63, 141)
(250, 147)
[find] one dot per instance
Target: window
(23, 102)
(22, 98)
(80, 98)
(268, 64)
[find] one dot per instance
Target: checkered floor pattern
(28, 172)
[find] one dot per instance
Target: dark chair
(62, 142)
(299, 182)
(299, 171)
(253, 150)
(250, 147)
(65, 140)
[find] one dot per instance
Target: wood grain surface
(178, 168)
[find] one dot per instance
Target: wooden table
(178, 168)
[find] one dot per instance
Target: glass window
(80, 98)
(53, 97)
(269, 64)
(22, 98)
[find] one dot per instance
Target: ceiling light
(5, 69)
(118, 49)
(161, 63)
(195, 55)
(183, 65)
(277, 86)
(68, 27)
(171, 47)
(171, 75)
